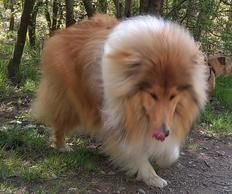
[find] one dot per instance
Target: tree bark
(11, 26)
(128, 4)
(13, 65)
(32, 23)
(89, 7)
(150, 7)
(55, 8)
(61, 16)
(48, 16)
(69, 13)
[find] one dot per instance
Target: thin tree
(14, 62)
(54, 20)
(89, 7)
(9, 4)
(55, 9)
(127, 11)
(47, 15)
(12, 14)
(32, 23)
(119, 8)
(61, 16)
(69, 13)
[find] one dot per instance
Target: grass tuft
(217, 118)
(223, 90)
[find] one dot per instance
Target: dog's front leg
(147, 174)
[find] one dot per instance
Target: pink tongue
(159, 135)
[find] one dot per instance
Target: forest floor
(28, 164)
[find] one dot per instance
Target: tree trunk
(161, 7)
(69, 13)
(55, 8)
(13, 65)
(61, 14)
(32, 23)
(119, 8)
(150, 7)
(89, 7)
(127, 12)
(11, 27)
(48, 16)
(102, 6)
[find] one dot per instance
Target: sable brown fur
(66, 71)
(125, 83)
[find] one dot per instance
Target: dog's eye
(172, 97)
(154, 96)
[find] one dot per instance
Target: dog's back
(71, 75)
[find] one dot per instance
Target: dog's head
(154, 79)
(221, 65)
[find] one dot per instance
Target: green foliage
(209, 21)
(224, 89)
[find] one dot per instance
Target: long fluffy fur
(99, 76)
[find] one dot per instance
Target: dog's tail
(38, 107)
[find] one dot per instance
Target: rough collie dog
(138, 85)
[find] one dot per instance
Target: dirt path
(205, 167)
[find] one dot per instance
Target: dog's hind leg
(59, 135)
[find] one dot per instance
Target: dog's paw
(154, 181)
(66, 148)
(148, 175)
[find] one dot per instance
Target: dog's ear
(128, 62)
(222, 60)
(127, 57)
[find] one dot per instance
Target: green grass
(217, 118)
(224, 89)
(27, 154)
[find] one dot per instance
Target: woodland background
(28, 164)
(209, 21)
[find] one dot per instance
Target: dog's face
(159, 107)
(158, 97)
(154, 82)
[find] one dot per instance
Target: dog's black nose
(165, 129)
(166, 133)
